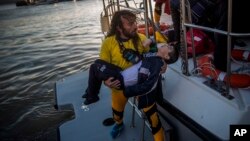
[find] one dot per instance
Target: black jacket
(148, 76)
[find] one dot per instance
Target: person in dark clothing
(239, 25)
(201, 14)
(213, 13)
(101, 70)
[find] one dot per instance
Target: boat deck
(87, 124)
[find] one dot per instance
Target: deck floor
(87, 124)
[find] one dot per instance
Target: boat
(194, 108)
(22, 3)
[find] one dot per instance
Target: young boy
(145, 73)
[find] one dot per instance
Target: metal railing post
(132, 125)
(143, 125)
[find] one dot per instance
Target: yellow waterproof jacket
(110, 51)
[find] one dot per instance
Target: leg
(175, 13)
(155, 123)
(157, 12)
(220, 52)
(118, 104)
(239, 15)
(99, 71)
(94, 85)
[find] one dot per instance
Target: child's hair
(174, 54)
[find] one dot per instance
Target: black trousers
(100, 71)
(239, 25)
(218, 19)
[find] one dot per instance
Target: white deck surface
(203, 104)
(87, 125)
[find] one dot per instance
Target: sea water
(38, 46)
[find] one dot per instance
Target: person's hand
(163, 68)
(111, 83)
(147, 43)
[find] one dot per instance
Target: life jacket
(204, 63)
(202, 42)
(141, 28)
(159, 39)
(242, 55)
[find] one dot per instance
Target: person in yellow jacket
(123, 47)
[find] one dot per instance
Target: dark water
(38, 46)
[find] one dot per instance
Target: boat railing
(135, 109)
(142, 8)
(186, 22)
(111, 6)
(168, 129)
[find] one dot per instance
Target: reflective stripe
(119, 114)
(144, 71)
(221, 76)
(245, 55)
(150, 54)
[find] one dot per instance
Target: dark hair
(117, 22)
(174, 55)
